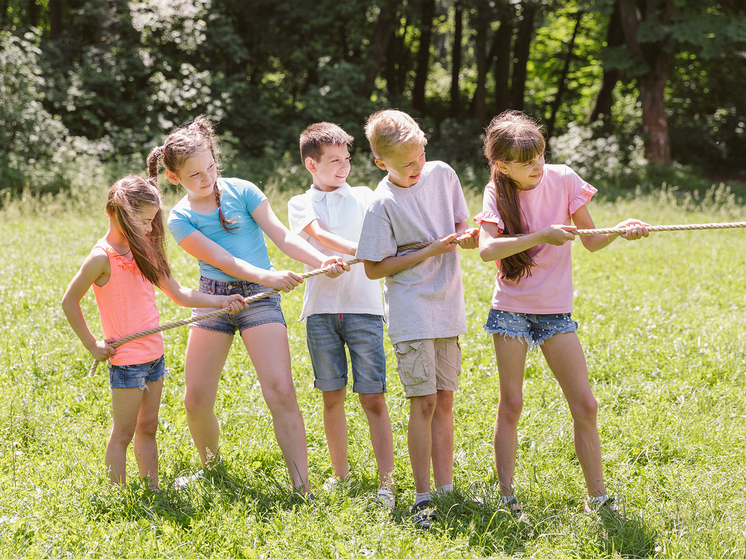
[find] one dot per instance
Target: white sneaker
(386, 497)
(183, 481)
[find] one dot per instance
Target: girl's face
(197, 175)
(145, 217)
(527, 174)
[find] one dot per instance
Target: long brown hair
(512, 136)
(126, 199)
(179, 146)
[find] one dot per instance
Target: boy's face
(404, 166)
(331, 170)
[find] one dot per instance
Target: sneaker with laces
(182, 482)
(424, 515)
(602, 505)
(386, 497)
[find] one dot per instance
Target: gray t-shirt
(425, 301)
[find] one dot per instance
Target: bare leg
(442, 430)
(146, 446)
(205, 357)
(125, 406)
(511, 362)
(374, 406)
(419, 439)
(335, 428)
(567, 361)
(268, 349)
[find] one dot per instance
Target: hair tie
(123, 190)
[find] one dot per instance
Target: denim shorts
(259, 312)
(327, 334)
(137, 376)
(535, 329)
(428, 366)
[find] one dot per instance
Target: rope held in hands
(415, 246)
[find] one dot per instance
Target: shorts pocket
(412, 362)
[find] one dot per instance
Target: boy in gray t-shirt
(423, 294)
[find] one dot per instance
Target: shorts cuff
(369, 387)
(329, 385)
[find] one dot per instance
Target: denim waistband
(218, 287)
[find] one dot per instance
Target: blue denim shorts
(535, 329)
(327, 334)
(137, 376)
(259, 312)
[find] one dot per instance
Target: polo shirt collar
(319, 195)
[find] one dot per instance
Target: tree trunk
(423, 56)
(522, 48)
(55, 18)
(33, 13)
(456, 59)
(652, 79)
(605, 98)
(562, 82)
(503, 54)
(379, 42)
(480, 48)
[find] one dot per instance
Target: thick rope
(691, 227)
(252, 299)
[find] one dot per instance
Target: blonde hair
(314, 138)
(184, 142)
(389, 129)
(126, 199)
(512, 136)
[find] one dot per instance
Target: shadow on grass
(477, 514)
(262, 494)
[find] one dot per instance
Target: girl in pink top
(526, 223)
(122, 268)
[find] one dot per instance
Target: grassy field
(662, 321)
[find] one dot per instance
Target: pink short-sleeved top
(548, 290)
(126, 304)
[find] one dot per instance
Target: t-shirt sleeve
(460, 208)
(489, 213)
(377, 239)
(250, 194)
(579, 191)
(300, 213)
(180, 224)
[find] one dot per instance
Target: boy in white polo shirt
(346, 310)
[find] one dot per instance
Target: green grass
(662, 323)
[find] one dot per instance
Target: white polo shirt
(342, 211)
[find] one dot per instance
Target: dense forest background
(87, 87)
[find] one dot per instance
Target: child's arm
(190, 298)
(494, 246)
(321, 233)
(94, 266)
(635, 229)
(394, 264)
(292, 245)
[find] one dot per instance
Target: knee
(585, 410)
(373, 404)
(195, 403)
(510, 407)
(147, 427)
(122, 436)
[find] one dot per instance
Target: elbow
(372, 271)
